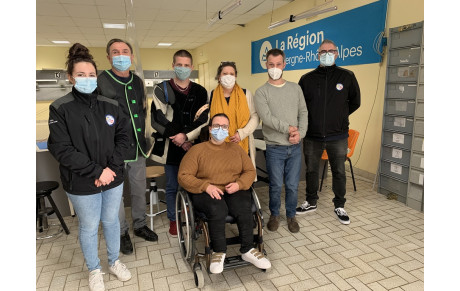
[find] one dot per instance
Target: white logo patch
(264, 48)
(109, 119)
(339, 86)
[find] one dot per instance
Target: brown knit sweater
(219, 165)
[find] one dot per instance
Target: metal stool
(151, 173)
(44, 190)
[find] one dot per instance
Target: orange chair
(352, 139)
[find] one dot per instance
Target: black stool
(44, 189)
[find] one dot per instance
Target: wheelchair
(192, 224)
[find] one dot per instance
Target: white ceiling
(180, 22)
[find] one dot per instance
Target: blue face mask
(182, 72)
(85, 85)
(219, 134)
(121, 62)
(327, 59)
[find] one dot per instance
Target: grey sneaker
(96, 281)
(273, 223)
(305, 208)
(119, 269)
(293, 225)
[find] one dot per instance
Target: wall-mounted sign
(355, 32)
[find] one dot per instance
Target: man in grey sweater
(281, 107)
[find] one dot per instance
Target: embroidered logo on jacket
(339, 87)
(109, 119)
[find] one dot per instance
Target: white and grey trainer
(96, 281)
(119, 269)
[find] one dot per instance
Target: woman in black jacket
(88, 138)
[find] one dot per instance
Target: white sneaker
(256, 258)
(96, 281)
(217, 263)
(119, 269)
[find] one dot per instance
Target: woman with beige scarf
(238, 105)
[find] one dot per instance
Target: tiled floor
(381, 249)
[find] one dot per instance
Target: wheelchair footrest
(235, 261)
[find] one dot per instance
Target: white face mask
(275, 73)
(327, 59)
(228, 81)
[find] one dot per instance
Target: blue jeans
(91, 209)
(337, 155)
(171, 172)
(283, 163)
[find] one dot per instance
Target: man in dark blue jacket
(332, 94)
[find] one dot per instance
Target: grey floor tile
(382, 249)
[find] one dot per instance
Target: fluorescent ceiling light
(114, 25)
(164, 44)
(305, 14)
(224, 11)
(60, 41)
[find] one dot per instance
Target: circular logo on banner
(264, 48)
(339, 86)
(109, 119)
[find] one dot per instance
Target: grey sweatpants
(137, 182)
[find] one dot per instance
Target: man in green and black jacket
(128, 89)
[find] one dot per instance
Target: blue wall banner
(355, 32)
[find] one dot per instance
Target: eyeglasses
(330, 52)
(217, 126)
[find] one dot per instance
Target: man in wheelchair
(218, 175)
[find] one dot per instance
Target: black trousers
(237, 205)
(337, 154)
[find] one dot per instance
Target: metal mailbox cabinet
(402, 152)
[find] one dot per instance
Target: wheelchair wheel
(198, 275)
(185, 222)
(255, 198)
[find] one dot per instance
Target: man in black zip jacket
(128, 89)
(332, 94)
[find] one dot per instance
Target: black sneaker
(305, 208)
(126, 247)
(146, 233)
(342, 215)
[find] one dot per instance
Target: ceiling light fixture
(224, 11)
(164, 44)
(60, 41)
(114, 25)
(306, 14)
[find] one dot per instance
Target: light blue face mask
(327, 59)
(219, 134)
(121, 62)
(85, 85)
(182, 72)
